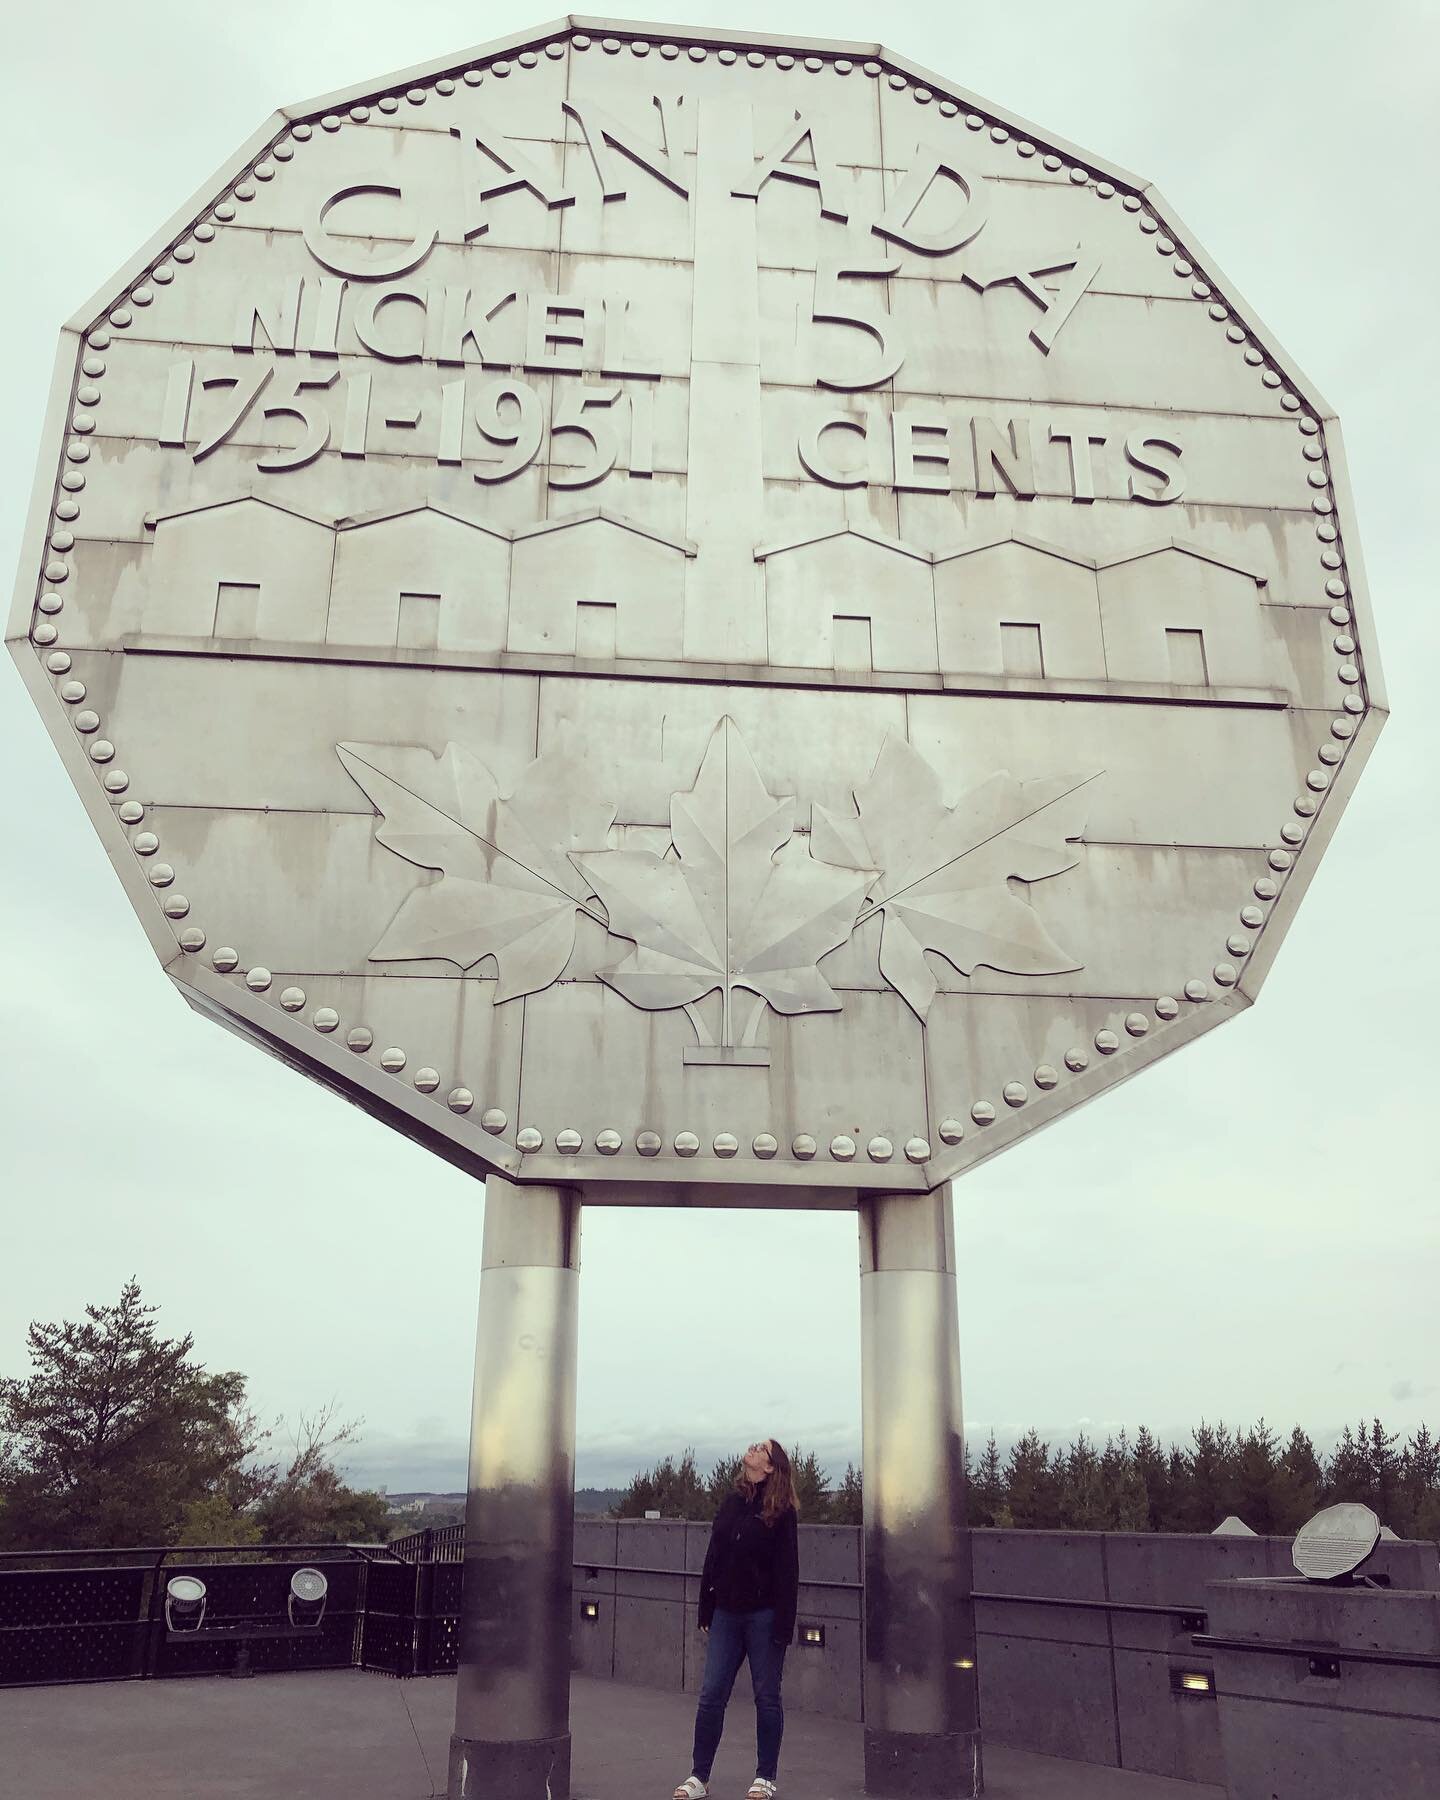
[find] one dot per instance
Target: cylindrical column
(922, 1723)
(512, 1701)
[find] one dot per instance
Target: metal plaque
(1336, 1541)
(711, 617)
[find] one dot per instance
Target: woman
(748, 1590)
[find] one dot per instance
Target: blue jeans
(733, 1637)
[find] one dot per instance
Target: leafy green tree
(309, 1503)
(117, 1431)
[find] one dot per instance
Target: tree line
(1127, 1484)
(119, 1436)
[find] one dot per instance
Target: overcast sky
(1250, 1228)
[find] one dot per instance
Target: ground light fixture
(306, 1600)
(590, 1609)
(814, 1635)
(184, 1603)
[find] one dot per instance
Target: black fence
(93, 1615)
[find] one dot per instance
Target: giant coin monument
(697, 621)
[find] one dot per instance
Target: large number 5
(833, 306)
(572, 415)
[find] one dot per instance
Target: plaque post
(512, 1701)
(922, 1730)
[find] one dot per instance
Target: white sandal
(691, 1788)
(761, 1789)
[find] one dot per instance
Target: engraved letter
(276, 312)
(602, 132)
(1140, 447)
(335, 254)
(905, 424)
(894, 222)
(561, 333)
(460, 321)
(1082, 474)
(511, 169)
(1007, 450)
(818, 173)
(812, 456)
(366, 323)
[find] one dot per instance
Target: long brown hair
(779, 1486)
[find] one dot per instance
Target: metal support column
(512, 1701)
(922, 1721)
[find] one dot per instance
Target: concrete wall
(1092, 1683)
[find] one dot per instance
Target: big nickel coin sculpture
(698, 620)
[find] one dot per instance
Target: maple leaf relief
(943, 882)
(508, 888)
(729, 910)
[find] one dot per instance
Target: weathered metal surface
(697, 617)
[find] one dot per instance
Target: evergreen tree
(847, 1502)
(1152, 1466)
(812, 1486)
(1030, 1484)
(1081, 1489)
(1126, 1506)
(988, 1502)
(1419, 1514)
(1297, 1486)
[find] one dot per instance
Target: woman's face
(757, 1460)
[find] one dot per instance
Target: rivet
(72, 481)
(1353, 703)
(224, 959)
(471, 78)
(244, 190)
(82, 422)
(1339, 615)
(1081, 176)
(1136, 1024)
(145, 843)
(360, 114)
(1266, 889)
(696, 53)
(608, 1143)
(1291, 402)
(1235, 333)
(265, 171)
(44, 632)
(842, 1148)
(1292, 832)
(56, 571)
(131, 813)
(555, 49)
(1014, 1093)
(176, 906)
(951, 1131)
(192, 939)
(917, 1150)
(72, 692)
(983, 1113)
(1330, 753)
(783, 61)
(185, 253)
(1218, 312)
(326, 1018)
(1342, 728)
(87, 720)
(77, 450)
(568, 1142)
(803, 1147)
(1196, 991)
(1237, 945)
(122, 315)
(765, 1146)
(999, 134)
(527, 59)
(725, 1143)
(686, 1143)
(67, 510)
(330, 122)
(1166, 1007)
(880, 1149)
(392, 1061)
(920, 95)
(427, 1080)
(88, 396)
(1106, 191)
(1309, 426)
(755, 58)
(359, 1039)
(1106, 1042)
(1345, 644)
(1226, 974)
(101, 751)
(1076, 1059)
(224, 212)
(1052, 162)
(418, 97)
(302, 131)
(292, 998)
(492, 1120)
(1322, 504)
(1023, 147)
(258, 978)
(446, 86)
(205, 231)
(58, 661)
(947, 107)
(1200, 289)
(460, 1100)
(98, 339)
(1280, 860)
(1252, 917)
(1317, 478)
(1325, 531)
(648, 1143)
(389, 103)
(1046, 1076)
(610, 46)
(161, 875)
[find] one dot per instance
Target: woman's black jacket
(750, 1565)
